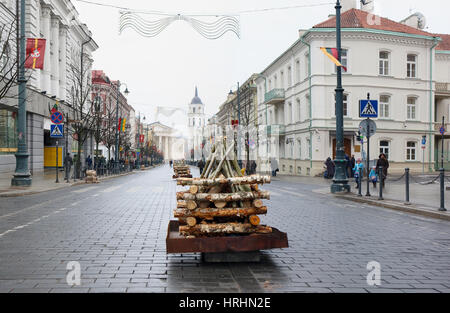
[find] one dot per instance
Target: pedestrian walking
(352, 165)
(201, 165)
(329, 164)
(359, 167)
(384, 163)
(89, 162)
(68, 161)
(373, 176)
(274, 167)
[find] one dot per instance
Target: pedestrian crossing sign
(368, 108)
(57, 131)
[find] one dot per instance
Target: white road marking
(85, 189)
(289, 192)
(31, 223)
(111, 189)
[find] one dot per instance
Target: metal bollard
(407, 186)
(380, 175)
(360, 182)
(442, 175)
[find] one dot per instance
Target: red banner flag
(141, 139)
(118, 125)
(35, 53)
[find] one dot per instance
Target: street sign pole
(57, 178)
(442, 141)
(368, 158)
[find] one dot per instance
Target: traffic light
(359, 136)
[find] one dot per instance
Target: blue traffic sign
(57, 131)
(442, 130)
(368, 108)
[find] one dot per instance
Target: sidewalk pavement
(424, 196)
(44, 181)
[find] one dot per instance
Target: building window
(299, 170)
(299, 110)
(297, 71)
(8, 134)
(384, 63)
(289, 119)
(299, 143)
(411, 66)
(384, 106)
(410, 151)
(385, 147)
(193, 110)
(411, 108)
(307, 70)
(344, 103)
(290, 169)
(344, 59)
(275, 82)
(289, 76)
(282, 79)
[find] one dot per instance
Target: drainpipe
(430, 146)
(310, 102)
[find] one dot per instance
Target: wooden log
(181, 204)
(193, 189)
(191, 205)
(203, 204)
(215, 212)
(254, 220)
(257, 203)
(237, 196)
(191, 221)
(226, 228)
(220, 204)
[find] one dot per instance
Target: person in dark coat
(348, 166)
(352, 165)
(384, 163)
(330, 168)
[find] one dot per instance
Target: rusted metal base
(238, 243)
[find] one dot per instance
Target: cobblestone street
(117, 230)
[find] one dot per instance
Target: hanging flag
(332, 53)
(35, 53)
(124, 121)
(118, 125)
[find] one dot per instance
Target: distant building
(106, 89)
(196, 123)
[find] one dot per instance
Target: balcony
(443, 88)
(274, 96)
(276, 129)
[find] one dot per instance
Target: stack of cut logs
(91, 177)
(222, 201)
(180, 169)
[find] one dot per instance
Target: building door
(347, 147)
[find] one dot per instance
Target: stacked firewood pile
(180, 169)
(91, 177)
(222, 201)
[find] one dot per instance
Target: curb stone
(399, 206)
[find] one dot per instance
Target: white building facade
(400, 66)
(67, 40)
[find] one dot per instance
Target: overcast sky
(164, 70)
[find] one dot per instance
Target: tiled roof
(355, 18)
(445, 43)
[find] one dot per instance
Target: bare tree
(8, 61)
(83, 109)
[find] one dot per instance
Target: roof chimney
(348, 4)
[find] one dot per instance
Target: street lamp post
(22, 175)
(116, 161)
(139, 144)
(340, 181)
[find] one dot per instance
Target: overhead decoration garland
(209, 30)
